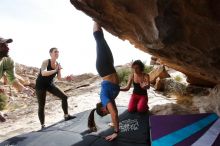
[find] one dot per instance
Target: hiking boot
(2, 119)
(42, 127)
(66, 118)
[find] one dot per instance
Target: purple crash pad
(163, 128)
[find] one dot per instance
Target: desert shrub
(172, 86)
(148, 68)
(123, 74)
(3, 101)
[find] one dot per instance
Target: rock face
(183, 34)
(158, 72)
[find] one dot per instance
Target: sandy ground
(24, 119)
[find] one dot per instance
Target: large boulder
(158, 72)
(183, 34)
(154, 61)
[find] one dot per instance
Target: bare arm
(44, 71)
(17, 85)
(114, 115)
(59, 72)
(9, 69)
(147, 79)
(128, 86)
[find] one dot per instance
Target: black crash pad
(134, 131)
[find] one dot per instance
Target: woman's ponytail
(91, 121)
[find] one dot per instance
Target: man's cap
(2, 40)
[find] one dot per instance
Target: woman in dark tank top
(141, 83)
(49, 70)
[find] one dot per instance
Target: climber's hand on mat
(111, 137)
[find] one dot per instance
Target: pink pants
(138, 103)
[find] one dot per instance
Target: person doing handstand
(109, 86)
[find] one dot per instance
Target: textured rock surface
(158, 72)
(184, 34)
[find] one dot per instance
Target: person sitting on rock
(7, 67)
(109, 86)
(49, 70)
(141, 82)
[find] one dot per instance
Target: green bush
(148, 69)
(3, 101)
(123, 74)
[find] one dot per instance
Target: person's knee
(131, 109)
(132, 106)
(142, 108)
(64, 98)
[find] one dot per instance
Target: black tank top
(138, 90)
(43, 82)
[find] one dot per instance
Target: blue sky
(37, 25)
